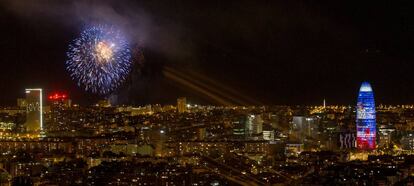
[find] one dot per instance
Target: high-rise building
(239, 129)
(303, 127)
(182, 105)
(297, 128)
(257, 124)
(59, 102)
(34, 110)
(384, 133)
(365, 118)
(254, 124)
(407, 141)
(248, 127)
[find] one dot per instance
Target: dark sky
(272, 52)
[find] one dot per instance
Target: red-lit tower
(59, 103)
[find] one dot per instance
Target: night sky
(267, 52)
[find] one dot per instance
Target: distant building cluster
(48, 140)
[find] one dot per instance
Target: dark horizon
(271, 53)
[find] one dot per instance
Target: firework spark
(99, 60)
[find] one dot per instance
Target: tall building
(304, 127)
(254, 124)
(182, 105)
(407, 141)
(365, 118)
(239, 129)
(58, 104)
(34, 110)
(257, 124)
(384, 133)
(298, 124)
(60, 100)
(248, 127)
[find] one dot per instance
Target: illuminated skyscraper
(365, 118)
(59, 102)
(182, 105)
(34, 110)
(254, 124)
(239, 129)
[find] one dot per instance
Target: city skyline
(57, 94)
(206, 93)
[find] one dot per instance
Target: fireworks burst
(99, 60)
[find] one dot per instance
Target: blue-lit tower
(365, 118)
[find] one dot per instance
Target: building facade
(182, 105)
(34, 110)
(365, 118)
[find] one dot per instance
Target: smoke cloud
(143, 28)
